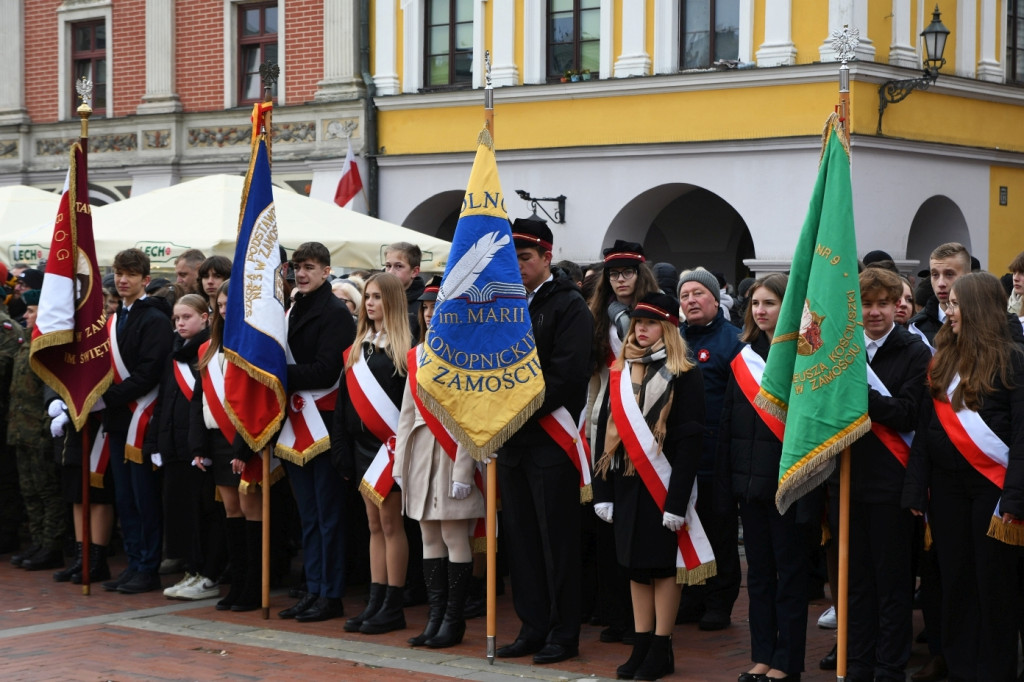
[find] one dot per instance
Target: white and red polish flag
(70, 345)
(351, 184)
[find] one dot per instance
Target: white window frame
(72, 13)
(231, 52)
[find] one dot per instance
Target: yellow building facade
(693, 126)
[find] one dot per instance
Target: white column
(12, 55)
(666, 36)
(989, 66)
(778, 48)
(902, 50)
(341, 77)
(503, 37)
(966, 37)
(160, 97)
(534, 42)
(385, 75)
(852, 13)
(479, 77)
(746, 51)
(634, 60)
(412, 45)
(606, 49)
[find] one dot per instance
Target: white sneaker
(828, 620)
(200, 588)
(172, 591)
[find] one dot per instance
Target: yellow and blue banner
(479, 373)
(254, 324)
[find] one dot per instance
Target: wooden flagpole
(269, 72)
(844, 44)
(492, 469)
(84, 89)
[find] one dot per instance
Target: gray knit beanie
(701, 275)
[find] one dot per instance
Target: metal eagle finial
(844, 43)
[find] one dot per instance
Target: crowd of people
(663, 366)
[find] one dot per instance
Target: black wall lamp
(559, 216)
(894, 91)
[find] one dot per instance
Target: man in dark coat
(539, 484)
(320, 328)
(713, 343)
(881, 532)
(144, 338)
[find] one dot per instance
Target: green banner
(815, 378)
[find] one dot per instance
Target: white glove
(56, 407)
(672, 522)
(604, 511)
(461, 491)
(398, 480)
(58, 424)
(156, 459)
(99, 405)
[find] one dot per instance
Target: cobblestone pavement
(50, 631)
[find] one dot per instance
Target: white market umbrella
(203, 214)
(27, 215)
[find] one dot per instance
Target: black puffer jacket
(168, 433)
(1003, 412)
(563, 329)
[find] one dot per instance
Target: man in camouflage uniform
(12, 338)
(28, 438)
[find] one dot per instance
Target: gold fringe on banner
(1009, 533)
(480, 453)
(370, 493)
(826, 533)
(252, 488)
(479, 545)
(697, 576)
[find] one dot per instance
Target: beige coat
(427, 471)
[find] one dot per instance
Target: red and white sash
(445, 439)
(380, 417)
(304, 434)
(695, 561)
(569, 434)
(614, 345)
(185, 378)
(142, 408)
(979, 444)
(252, 474)
(99, 457)
(896, 442)
(748, 368)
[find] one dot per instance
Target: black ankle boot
(453, 628)
(99, 570)
(435, 574)
(660, 660)
(249, 599)
(372, 607)
(640, 648)
(235, 531)
(390, 616)
(64, 575)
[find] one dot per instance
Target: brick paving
(50, 631)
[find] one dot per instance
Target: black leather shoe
(611, 634)
(714, 620)
(300, 606)
(324, 608)
(125, 575)
(139, 583)
(751, 677)
(44, 559)
(795, 677)
(553, 653)
(18, 558)
(829, 662)
(519, 648)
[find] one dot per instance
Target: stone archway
(686, 225)
(437, 216)
(938, 220)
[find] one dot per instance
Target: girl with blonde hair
(365, 421)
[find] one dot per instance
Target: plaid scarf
(652, 388)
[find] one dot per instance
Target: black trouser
(777, 570)
(719, 593)
(541, 518)
(980, 590)
(881, 591)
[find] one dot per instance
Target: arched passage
(686, 225)
(436, 216)
(937, 221)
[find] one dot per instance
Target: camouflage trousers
(40, 489)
